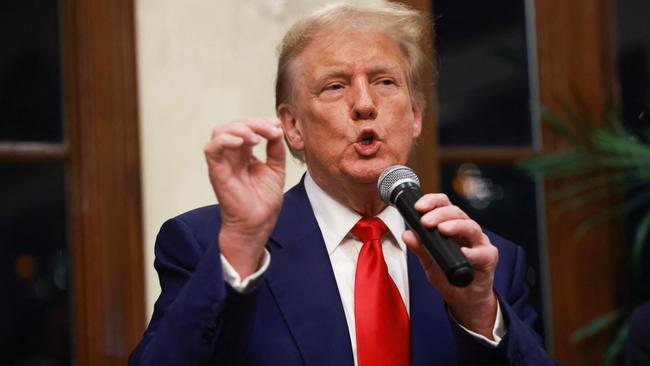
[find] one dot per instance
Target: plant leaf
(577, 122)
(617, 344)
(582, 200)
(597, 325)
(620, 144)
(598, 194)
(628, 206)
(558, 164)
(559, 126)
(588, 184)
(629, 162)
(641, 234)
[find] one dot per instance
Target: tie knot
(369, 228)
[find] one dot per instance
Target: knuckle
(427, 198)
(430, 218)
(474, 228)
(457, 211)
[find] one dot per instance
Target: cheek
(327, 124)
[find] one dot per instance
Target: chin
(368, 171)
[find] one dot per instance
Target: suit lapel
(430, 331)
(303, 284)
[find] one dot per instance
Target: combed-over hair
(404, 25)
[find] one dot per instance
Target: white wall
(200, 63)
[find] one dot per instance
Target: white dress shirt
(335, 221)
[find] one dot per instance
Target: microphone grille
(393, 176)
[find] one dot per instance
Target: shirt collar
(336, 220)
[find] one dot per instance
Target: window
(70, 226)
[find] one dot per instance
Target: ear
(292, 128)
(417, 120)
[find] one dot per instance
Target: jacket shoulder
(206, 215)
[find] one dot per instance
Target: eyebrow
(342, 72)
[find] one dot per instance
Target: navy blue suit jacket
(294, 316)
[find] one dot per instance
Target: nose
(363, 104)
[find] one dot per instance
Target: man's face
(351, 113)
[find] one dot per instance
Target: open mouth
(368, 143)
(367, 140)
(367, 137)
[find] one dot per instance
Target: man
(322, 275)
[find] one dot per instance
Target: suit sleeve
(521, 345)
(196, 308)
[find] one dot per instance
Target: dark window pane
(30, 71)
(35, 326)
(633, 35)
(502, 200)
(483, 85)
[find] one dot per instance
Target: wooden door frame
(105, 204)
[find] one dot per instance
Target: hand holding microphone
(399, 186)
(467, 288)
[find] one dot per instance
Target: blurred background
(107, 105)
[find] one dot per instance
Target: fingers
(433, 270)
(482, 256)
(275, 152)
(454, 223)
(441, 214)
(432, 200)
(465, 232)
(449, 219)
(268, 128)
(247, 132)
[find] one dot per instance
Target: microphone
(399, 186)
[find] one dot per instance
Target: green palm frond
(579, 124)
(637, 201)
(586, 185)
(640, 237)
(559, 125)
(597, 325)
(616, 345)
(607, 169)
(622, 145)
(560, 164)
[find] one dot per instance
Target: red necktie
(382, 323)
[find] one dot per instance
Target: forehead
(351, 50)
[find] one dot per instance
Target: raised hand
(249, 190)
(474, 306)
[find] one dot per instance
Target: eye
(387, 82)
(333, 87)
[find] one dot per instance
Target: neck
(362, 197)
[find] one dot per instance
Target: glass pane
(633, 35)
(483, 85)
(633, 40)
(34, 325)
(30, 71)
(502, 200)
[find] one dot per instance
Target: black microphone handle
(445, 252)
